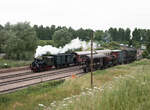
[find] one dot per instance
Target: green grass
(109, 89)
(13, 63)
(123, 92)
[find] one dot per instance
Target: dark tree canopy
(62, 37)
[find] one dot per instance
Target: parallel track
(32, 76)
(14, 69)
(10, 83)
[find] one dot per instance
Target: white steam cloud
(74, 44)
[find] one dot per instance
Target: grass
(12, 63)
(124, 92)
(112, 86)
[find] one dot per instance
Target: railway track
(15, 73)
(13, 82)
(14, 69)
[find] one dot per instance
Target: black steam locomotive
(52, 61)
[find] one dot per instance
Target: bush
(45, 42)
(148, 56)
(5, 65)
(13, 63)
(111, 45)
(145, 54)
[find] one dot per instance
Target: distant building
(143, 47)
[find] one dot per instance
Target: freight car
(110, 59)
(98, 62)
(80, 57)
(115, 57)
(130, 54)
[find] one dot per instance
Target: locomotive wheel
(37, 70)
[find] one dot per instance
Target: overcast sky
(94, 14)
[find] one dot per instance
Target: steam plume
(74, 44)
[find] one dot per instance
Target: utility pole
(92, 59)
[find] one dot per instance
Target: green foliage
(99, 35)
(124, 92)
(44, 33)
(13, 63)
(4, 36)
(129, 93)
(61, 37)
(148, 41)
(22, 42)
(84, 34)
(148, 57)
(140, 35)
(4, 65)
(111, 45)
(136, 44)
(120, 34)
(145, 54)
(45, 42)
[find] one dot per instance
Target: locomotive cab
(49, 60)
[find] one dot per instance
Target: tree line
(119, 35)
(20, 40)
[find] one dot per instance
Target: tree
(136, 35)
(73, 32)
(52, 30)
(148, 41)
(99, 35)
(113, 34)
(127, 34)
(4, 35)
(1, 27)
(84, 34)
(61, 37)
(22, 43)
(121, 35)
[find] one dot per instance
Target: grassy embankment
(123, 87)
(12, 63)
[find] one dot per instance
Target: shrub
(145, 54)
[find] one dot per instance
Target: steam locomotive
(101, 59)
